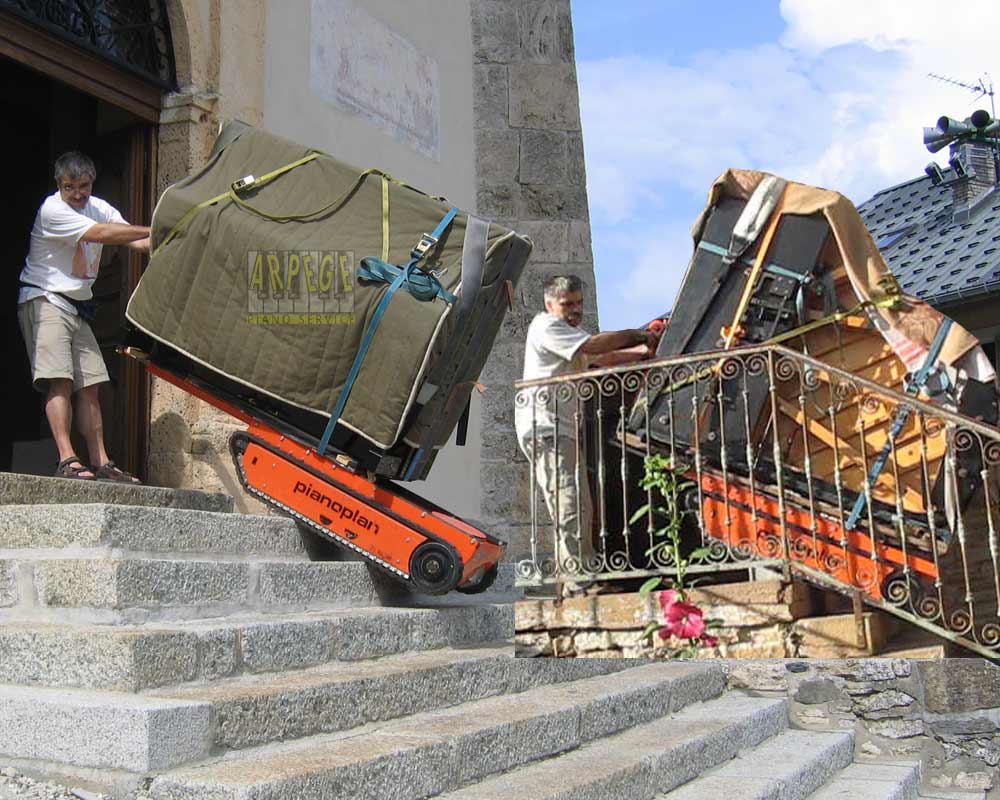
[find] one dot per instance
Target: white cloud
(839, 102)
(962, 34)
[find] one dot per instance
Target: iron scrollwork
(134, 34)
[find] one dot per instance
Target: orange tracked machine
(415, 541)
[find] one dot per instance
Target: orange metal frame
(345, 506)
(727, 511)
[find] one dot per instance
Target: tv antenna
(982, 87)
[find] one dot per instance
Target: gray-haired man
(548, 433)
(54, 304)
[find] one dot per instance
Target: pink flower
(685, 621)
(667, 599)
(709, 641)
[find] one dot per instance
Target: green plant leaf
(649, 586)
(639, 514)
(648, 631)
(701, 552)
(656, 547)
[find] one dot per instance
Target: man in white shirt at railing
(56, 307)
(556, 345)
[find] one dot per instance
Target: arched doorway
(87, 75)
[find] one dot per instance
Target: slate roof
(932, 256)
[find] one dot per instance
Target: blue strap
(902, 415)
(775, 269)
(422, 285)
(418, 456)
(403, 275)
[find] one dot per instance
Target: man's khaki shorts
(60, 345)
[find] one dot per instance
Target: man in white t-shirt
(55, 308)
(549, 433)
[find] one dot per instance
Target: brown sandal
(109, 472)
(64, 470)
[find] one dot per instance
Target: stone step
(873, 781)
(430, 753)
(395, 593)
(934, 793)
(917, 643)
(138, 657)
(99, 528)
(836, 636)
(33, 490)
(790, 766)
(253, 710)
(142, 733)
(649, 758)
(137, 590)
(101, 730)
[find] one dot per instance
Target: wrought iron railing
(134, 34)
(783, 460)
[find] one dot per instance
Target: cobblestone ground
(16, 786)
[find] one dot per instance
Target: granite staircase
(154, 644)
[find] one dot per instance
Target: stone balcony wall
(531, 177)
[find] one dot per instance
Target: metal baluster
(578, 473)
(984, 476)
(900, 511)
(602, 479)
(627, 532)
(536, 559)
(807, 463)
(868, 492)
(749, 451)
(779, 469)
(697, 461)
(838, 482)
(650, 529)
(931, 511)
(728, 521)
(951, 474)
(561, 558)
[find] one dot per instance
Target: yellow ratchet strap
(251, 182)
(765, 245)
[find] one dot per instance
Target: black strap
(87, 309)
(462, 431)
(473, 268)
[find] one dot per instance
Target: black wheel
(434, 568)
(483, 583)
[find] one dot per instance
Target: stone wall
(220, 76)
(531, 177)
(758, 621)
(945, 713)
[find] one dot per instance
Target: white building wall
(388, 84)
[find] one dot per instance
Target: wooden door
(126, 163)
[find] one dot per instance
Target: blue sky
(828, 92)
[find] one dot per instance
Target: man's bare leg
(59, 412)
(88, 412)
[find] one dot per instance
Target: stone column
(530, 177)
(188, 442)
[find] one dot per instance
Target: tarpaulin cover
(908, 328)
(272, 303)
